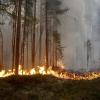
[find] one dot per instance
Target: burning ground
(47, 87)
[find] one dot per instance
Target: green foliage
(54, 9)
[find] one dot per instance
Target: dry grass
(48, 88)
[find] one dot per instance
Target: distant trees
(25, 24)
(53, 38)
(89, 52)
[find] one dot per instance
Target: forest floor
(40, 87)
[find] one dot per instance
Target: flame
(50, 71)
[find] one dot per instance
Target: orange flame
(50, 71)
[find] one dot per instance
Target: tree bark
(46, 29)
(33, 35)
(17, 49)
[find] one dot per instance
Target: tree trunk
(24, 35)
(33, 35)
(14, 36)
(46, 29)
(1, 50)
(18, 37)
(41, 32)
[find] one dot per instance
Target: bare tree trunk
(50, 39)
(56, 56)
(50, 51)
(33, 35)
(18, 37)
(14, 36)
(1, 51)
(46, 29)
(27, 45)
(41, 32)
(53, 53)
(40, 47)
(13, 44)
(24, 35)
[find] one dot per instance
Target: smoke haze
(80, 24)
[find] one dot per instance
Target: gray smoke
(80, 24)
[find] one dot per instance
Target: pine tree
(17, 41)
(33, 34)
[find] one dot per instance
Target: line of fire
(36, 42)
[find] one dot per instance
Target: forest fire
(59, 73)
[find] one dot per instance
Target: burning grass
(47, 87)
(58, 72)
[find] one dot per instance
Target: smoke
(80, 24)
